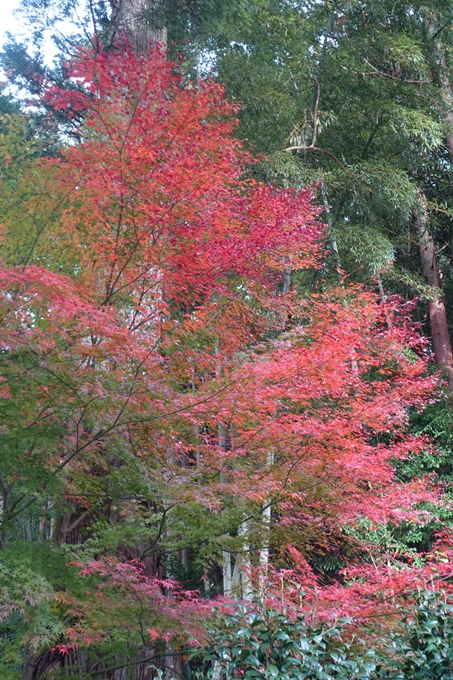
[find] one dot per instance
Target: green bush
(256, 642)
(259, 643)
(424, 649)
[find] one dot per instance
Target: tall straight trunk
(241, 578)
(225, 443)
(441, 80)
(142, 21)
(236, 575)
(236, 579)
(436, 304)
(173, 665)
(266, 524)
(447, 109)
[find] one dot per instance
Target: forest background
(226, 362)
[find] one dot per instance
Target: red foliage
(119, 591)
(158, 335)
(159, 212)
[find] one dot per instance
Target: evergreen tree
(357, 95)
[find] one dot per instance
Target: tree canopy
(219, 399)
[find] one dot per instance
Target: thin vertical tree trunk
(285, 291)
(311, 130)
(441, 79)
(30, 662)
(266, 522)
(227, 565)
(227, 572)
(242, 569)
(236, 577)
(436, 304)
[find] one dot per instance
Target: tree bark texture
(436, 305)
(135, 18)
(441, 79)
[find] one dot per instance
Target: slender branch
(40, 231)
(441, 28)
(80, 519)
(372, 136)
(316, 95)
(400, 79)
(318, 150)
(135, 662)
(148, 550)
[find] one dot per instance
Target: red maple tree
(155, 348)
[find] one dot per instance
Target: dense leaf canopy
(212, 375)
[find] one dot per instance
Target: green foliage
(11, 656)
(258, 642)
(425, 647)
(34, 583)
(436, 423)
(362, 76)
(406, 543)
(29, 206)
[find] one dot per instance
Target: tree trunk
(142, 21)
(241, 577)
(436, 305)
(30, 662)
(447, 100)
(44, 664)
(441, 79)
(173, 665)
